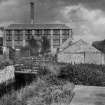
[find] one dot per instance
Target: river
(20, 80)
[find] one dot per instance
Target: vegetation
(41, 92)
(100, 45)
(36, 47)
(84, 74)
(45, 45)
(5, 62)
(32, 48)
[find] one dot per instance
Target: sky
(85, 17)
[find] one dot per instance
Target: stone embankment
(7, 74)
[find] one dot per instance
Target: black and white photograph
(52, 52)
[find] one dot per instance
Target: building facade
(17, 35)
(81, 52)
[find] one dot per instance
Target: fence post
(84, 57)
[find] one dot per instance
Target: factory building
(81, 52)
(17, 35)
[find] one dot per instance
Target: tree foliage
(36, 46)
(45, 44)
(85, 74)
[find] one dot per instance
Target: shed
(81, 52)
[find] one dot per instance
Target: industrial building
(81, 52)
(17, 35)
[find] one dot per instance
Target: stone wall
(7, 74)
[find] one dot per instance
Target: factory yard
(89, 95)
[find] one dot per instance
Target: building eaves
(37, 26)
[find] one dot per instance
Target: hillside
(100, 45)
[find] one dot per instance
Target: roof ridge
(36, 24)
(40, 26)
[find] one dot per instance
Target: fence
(32, 64)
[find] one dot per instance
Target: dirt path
(88, 95)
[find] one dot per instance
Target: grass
(41, 92)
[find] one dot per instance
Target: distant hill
(100, 45)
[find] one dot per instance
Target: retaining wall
(7, 74)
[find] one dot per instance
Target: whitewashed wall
(7, 74)
(77, 58)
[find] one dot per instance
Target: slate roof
(37, 26)
(80, 46)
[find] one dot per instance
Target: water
(20, 81)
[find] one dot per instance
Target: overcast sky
(85, 17)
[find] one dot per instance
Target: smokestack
(32, 12)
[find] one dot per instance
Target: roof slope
(80, 46)
(67, 43)
(37, 26)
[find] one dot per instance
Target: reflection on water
(20, 81)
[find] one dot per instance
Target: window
(38, 32)
(65, 32)
(1, 41)
(56, 32)
(9, 35)
(46, 32)
(18, 35)
(28, 34)
(1, 50)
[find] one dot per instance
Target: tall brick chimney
(32, 12)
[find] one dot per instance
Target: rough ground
(88, 95)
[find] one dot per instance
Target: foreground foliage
(84, 74)
(43, 92)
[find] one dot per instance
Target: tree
(45, 44)
(34, 46)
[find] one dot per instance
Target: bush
(85, 74)
(39, 93)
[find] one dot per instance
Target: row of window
(20, 38)
(40, 32)
(28, 34)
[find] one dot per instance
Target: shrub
(85, 74)
(40, 92)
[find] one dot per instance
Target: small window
(28, 34)
(56, 31)
(65, 32)
(9, 35)
(46, 32)
(38, 32)
(18, 35)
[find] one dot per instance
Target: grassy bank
(44, 91)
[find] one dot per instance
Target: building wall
(95, 58)
(77, 58)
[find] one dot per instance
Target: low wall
(7, 74)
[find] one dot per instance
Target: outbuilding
(81, 52)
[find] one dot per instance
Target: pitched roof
(67, 43)
(80, 46)
(37, 26)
